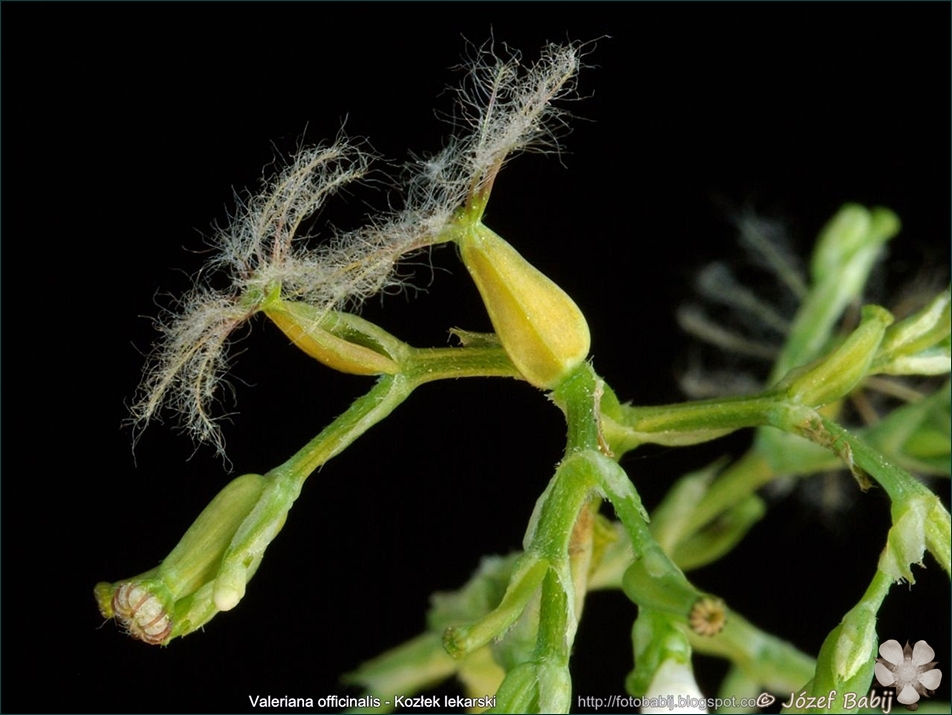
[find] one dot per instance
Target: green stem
(424, 365)
(420, 366)
(626, 427)
(556, 633)
(579, 395)
(364, 413)
(898, 483)
(847, 657)
(264, 522)
(920, 521)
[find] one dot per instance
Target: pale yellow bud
(331, 338)
(540, 327)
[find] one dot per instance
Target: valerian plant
(508, 633)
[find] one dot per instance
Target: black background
(125, 130)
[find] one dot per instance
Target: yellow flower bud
(540, 327)
(333, 338)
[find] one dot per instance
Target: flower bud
(175, 598)
(341, 341)
(919, 344)
(540, 327)
(850, 239)
(847, 659)
(835, 375)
